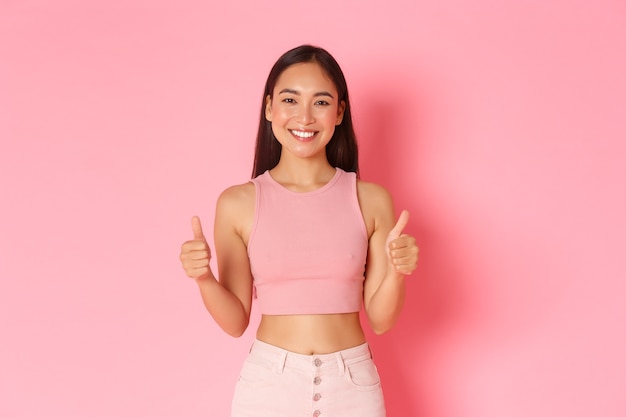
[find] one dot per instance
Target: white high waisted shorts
(277, 383)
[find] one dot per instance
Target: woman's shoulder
(237, 195)
(372, 191)
(375, 202)
(374, 199)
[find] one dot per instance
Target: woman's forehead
(305, 77)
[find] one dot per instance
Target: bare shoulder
(235, 208)
(236, 195)
(376, 203)
(372, 194)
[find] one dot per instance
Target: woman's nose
(305, 115)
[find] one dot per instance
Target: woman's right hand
(195, 254)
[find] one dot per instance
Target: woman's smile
(303, 135)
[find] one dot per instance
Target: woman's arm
(391, 256)
(229, 299)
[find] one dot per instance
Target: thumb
(196, 226)
(403, 220)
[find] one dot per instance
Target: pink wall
(499, 125)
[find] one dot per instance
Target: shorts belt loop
(340, 364)
(280, 362)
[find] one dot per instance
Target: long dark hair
(342, 150)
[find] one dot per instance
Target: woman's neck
(302, 174)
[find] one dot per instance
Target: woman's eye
(322, 103)
(289, 100)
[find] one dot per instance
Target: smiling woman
(304, 109)
(315, 243)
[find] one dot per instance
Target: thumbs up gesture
(195, 254)
(402, 252)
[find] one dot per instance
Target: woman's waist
(310, 334)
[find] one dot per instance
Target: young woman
(313, 243)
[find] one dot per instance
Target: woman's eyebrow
(297, 93)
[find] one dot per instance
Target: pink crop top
(308, 250)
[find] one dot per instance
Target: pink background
(499, 124)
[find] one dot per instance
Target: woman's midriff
(312, 334)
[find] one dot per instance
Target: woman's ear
(340, 111)
(268, 108)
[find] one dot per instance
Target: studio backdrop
(500, 126)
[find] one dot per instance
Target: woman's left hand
(402, 252)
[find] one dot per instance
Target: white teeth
(303, 135)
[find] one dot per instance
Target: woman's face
(304, 109)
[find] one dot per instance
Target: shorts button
(317, 380)
(317, 397)
(316, 413)
(317, 362)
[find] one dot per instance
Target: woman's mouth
(302, 134)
